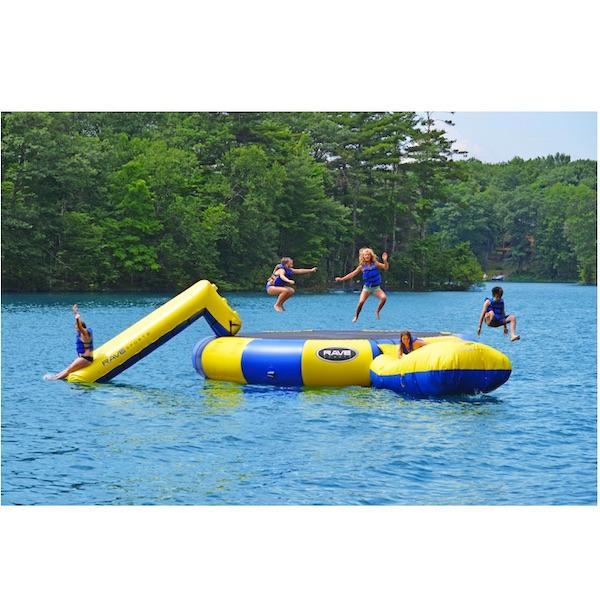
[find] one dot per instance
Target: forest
(156, 201)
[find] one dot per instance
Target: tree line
(155, 201)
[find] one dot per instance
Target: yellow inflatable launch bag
(442, 367)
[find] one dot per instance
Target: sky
(500, 136)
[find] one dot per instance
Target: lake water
(160, 434)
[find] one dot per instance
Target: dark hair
(497, 291)
(83, 325)
(405, 332)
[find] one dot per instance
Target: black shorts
(90, 359)
(497, 322)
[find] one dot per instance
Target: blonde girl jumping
(369, 266)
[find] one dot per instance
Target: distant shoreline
(298, 290)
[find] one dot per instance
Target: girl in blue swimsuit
(369, 266)
(280, 283)
(408, 343)
(84, 346)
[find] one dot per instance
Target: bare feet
(377, 314)
(278, 308)
(355, 319)
(514, 338)
(49, 377)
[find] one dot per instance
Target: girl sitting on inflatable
(408, 343)
(369, 266)
(280, 282)
(84, 346)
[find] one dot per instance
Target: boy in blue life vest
(495, 316)
(84, 346)
(369, 266)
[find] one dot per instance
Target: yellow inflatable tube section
(137, 341)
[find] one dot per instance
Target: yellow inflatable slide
(137, 341)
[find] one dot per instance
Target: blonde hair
(362, 261)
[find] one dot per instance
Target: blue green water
(159, 434)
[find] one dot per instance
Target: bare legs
(363, 298)
(283, 293)
(511, 320)
(382, 298)
(77, 364)
(513, 328)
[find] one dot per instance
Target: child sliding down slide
(84, 346)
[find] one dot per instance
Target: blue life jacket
(80, 345)
(406, 350)
(276, 280)
(371, 275)
(497, 307)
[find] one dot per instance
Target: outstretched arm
(349, 275)
(482, 316)
(303, 271)
(384, 265)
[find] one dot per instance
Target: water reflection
(125, 395)
(220, 396)
(361, 397)
(368, 397)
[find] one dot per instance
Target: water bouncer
(446, 364)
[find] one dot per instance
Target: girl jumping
(369, 266)
(280, 283)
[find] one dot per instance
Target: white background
(326, 55)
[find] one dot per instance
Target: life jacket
(82, 346)
(276, 280)
(497, 307)
(371, 275)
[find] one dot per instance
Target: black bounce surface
(325, 334)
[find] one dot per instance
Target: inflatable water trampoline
(446, 364)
